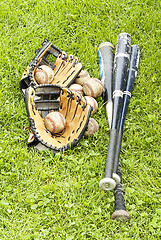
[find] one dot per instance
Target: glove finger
(67, 77)
(60, 63)
(76, 112)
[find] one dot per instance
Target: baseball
(82, 77)
(44, 74)
(93, 87)
(92, 101)
(76, 88)
(91, 128)
(55, 122)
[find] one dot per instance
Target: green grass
(47, 197)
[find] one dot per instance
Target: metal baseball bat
(121, 63)
(120, 209)
(106, 62)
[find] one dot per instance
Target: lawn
(46, 197)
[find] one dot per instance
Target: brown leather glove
(42, 99)
(65, 67)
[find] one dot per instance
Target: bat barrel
(106, 59)
(132, 73)
(121, 62)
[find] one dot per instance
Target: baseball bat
(106, 62)
(121, 63)
(132, 73)
(120, 209)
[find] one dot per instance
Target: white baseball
(55, 122)
(91, 128)
(44, 74)
(93, 87)
(76, 88)
(92, 101)
(82, 77)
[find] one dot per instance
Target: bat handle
(117, 153)
(108, 183)
(120, 209)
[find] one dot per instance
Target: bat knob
(121, 214)
(107, 184)
(116, 178)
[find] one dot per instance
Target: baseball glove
(66, 67)
(42, 99)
